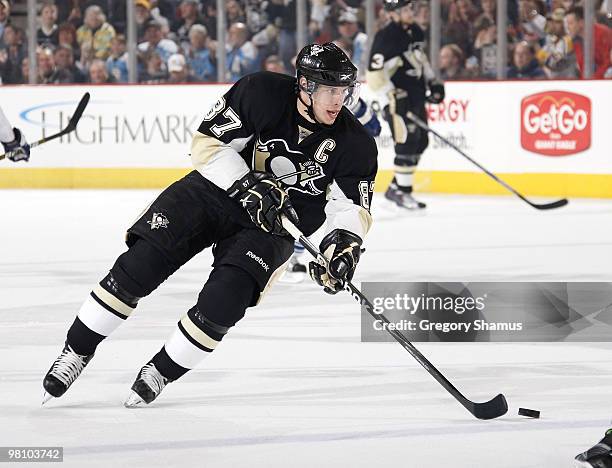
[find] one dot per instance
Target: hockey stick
(538, 206)
(74, 120)
(491, 409)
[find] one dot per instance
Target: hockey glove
(366, 117)
(436, 92)
(342, 248)
(264, 200)
(19, 148)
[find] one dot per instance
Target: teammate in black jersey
(272, 145)
(403, 80)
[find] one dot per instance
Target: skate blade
(46, 398)
(134, 401)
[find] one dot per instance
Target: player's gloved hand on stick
(264, 199)
(436, 92)
(366, 117)
(342, 248)
(18, 147)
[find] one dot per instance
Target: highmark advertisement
(487, 311)
(547, 138)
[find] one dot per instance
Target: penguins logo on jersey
(294, 169)
(416, 58)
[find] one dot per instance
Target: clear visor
(333, 95)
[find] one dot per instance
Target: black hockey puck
(530, 413)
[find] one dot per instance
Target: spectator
(421, 18)
(256, 16)
(210, 18)
(67, 37)
(459, 29)
(235, 13)
(116, 63)
(142, 14)
(12, 54)
(179, 71)
(5, 13)
(154, 41)
(157, 16)
(201, 54)
(46, 66)
(282, 15)
(452, 63)
(351, 40)
(274, 64)
(96, 31)
(65, 69)
(69, 12)
(48, 33)
(484, 60)
(86, 56)
(489, 10)
(155, 68)
(556, 55)
(190, 15)
(602, 38)
(524, 63)
(98, 74)
(533, 22)
(266, 41)
(241, 54)
(25, 71)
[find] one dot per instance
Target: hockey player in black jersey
(271, 146)
(402, 79)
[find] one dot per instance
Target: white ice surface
(291, 385)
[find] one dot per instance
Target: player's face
(406, 14)
(327, 101)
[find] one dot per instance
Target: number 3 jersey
(327, 171)
(398, 60)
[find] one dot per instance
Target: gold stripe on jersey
(112, 301)
(204, 147)
(366, 219)
(197, 334)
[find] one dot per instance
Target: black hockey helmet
(326, 67)
(391, 5)
(326, 64)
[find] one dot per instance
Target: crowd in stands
(85, 40)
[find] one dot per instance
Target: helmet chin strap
(309, 108)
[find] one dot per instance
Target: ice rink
(292, 386)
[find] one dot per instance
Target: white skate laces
(68, 366)
(151, 376)
(147, 387)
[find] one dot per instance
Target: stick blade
(551, 206)
(491, 409)
(74, 120)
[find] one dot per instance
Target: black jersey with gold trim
(400, 51)
(258, 118)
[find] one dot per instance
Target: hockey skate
(598, 456)
(403, 199)
(147, 387)
(295, 272)
(64, 371)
